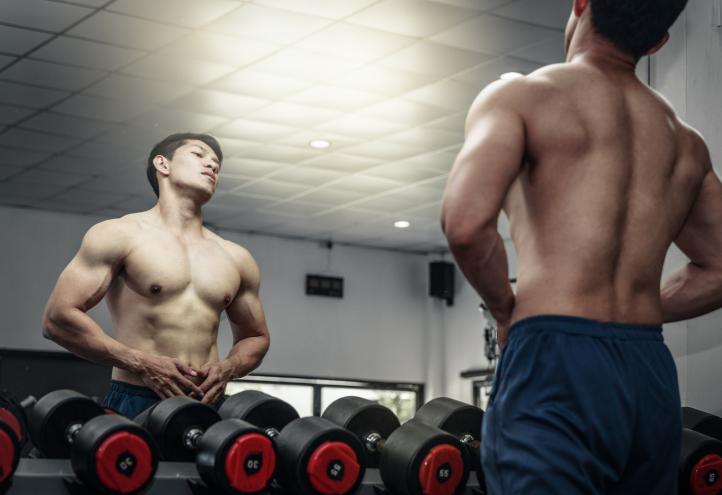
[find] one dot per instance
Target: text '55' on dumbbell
(315, 456)
(461, 420)
(13, 432)
(108, 453)
(414, 458)
(232, 456)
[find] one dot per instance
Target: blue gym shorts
(580, 407)
(131, 400)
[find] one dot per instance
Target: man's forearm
(246, 355)
(691, 291)
(484, 263)
(77, 332)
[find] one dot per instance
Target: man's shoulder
(239, 253)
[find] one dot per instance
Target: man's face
(195, 166)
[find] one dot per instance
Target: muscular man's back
(609, 178)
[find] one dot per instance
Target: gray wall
(378, 331)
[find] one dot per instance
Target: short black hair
(167, 148)
(635, 26)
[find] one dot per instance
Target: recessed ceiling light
(319, 144)
(510, 75)
(402, 224)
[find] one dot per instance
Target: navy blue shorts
(131, 400)
(580, 407)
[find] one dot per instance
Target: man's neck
(182, 215)
(589, 48)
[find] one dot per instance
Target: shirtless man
(167, 279)
(598, 177)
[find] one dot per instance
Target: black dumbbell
(461, 420)
(108, 453)
(315, 456)
(700, 465)
(231, 455)
(13, 433)
(702, 422)
(414, 458)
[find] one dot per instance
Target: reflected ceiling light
(510, 75)
(402, 224)
(319, 144)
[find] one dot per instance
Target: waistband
(130, 389)
(575, 325)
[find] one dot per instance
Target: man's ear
(659, 45)
(580, 6)
(161, 165)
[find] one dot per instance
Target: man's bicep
(87, 278)
(487, 164)
(246, 316)
(701, 236)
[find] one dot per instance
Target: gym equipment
(700, 465)
(108, 453)
(461, 420)
(702, 422)
(231, 455)
(414, 458)
(315, 456)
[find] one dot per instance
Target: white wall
(378, 331)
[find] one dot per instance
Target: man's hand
(216, 376)
(168, 377)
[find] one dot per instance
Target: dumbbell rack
(55, 476)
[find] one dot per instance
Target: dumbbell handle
(191, 438)
(469, 440)
(28, 402)
(71, 431)
(272, 432)
(374, 442)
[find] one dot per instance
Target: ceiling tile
(36, 141)
(250, 167)
(8, 171)
(273, 189)
(73, 164)
(253, 222)
(187, 13)
(66, 125)
(132, 137)
(306, 176)
(109, 156)
(36, 176)
(354, 42)
(450, 94)
(135, 203)
(51, 75)
(254, 130)
(230, 182)
(10, 190)
(382, 150)
(342, 162)
(426, 138)
(434, 59)
(493, 35)
(384, 80)
(20, 41)
(174, 69)
(335, 98)
(383, 204)
(481, 5)
(440, 161)
(550, 51)
(227, 105)
(361, 126)
(302, 116)
(240, 201)
(276, 153)
(94, 107)
(60, 204)
(218, 49)
(17, 158)
(365, 184)
(418, 194)
(332, 9)
(128, 180)
(258, 84)
(549, 13)
(73, 51)
(267, 24)
(90, 3)
(295, 208)
(453, 123)
(118, 86)
(28, 96)
(404, 112)
(178, 120)
(9, 115)
(402, 172)
(490, 71)
(305, 65)
(126, 31)
(96, 199)
(235, 147)
(303, 139)
(330, 196)
(41, 14)
(418, 18)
